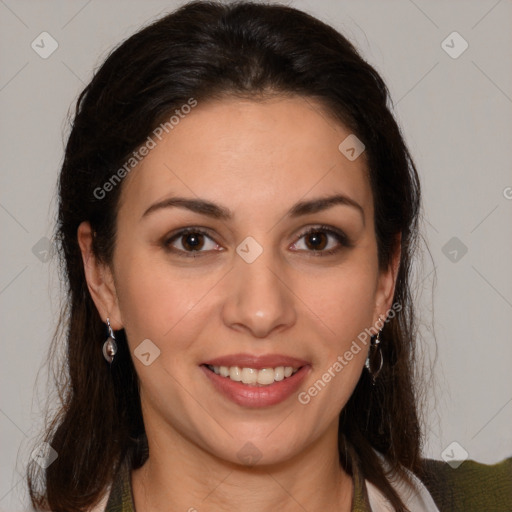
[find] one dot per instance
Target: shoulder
(470, 486)
(118, 497)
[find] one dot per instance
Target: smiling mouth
(252, 376)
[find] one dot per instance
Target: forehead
(249, 155)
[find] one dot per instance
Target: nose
(258, 300)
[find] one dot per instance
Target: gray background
(455, 114)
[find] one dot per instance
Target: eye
(319, 240)
(322, 241)
(189, 241)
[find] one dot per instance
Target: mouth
(256, 381)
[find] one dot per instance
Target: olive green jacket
(472, 487)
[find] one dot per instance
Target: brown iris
(316, 241)
(193, 241)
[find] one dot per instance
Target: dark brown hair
(208, 50)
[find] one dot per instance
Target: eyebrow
(216, 211)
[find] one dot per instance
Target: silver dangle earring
(372, 354)
(110, 346)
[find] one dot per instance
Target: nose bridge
(258, 299)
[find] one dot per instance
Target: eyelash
(340, 236)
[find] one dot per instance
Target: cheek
(343, 307)
(159, 302)
(343, 300)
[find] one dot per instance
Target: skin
(257, 158)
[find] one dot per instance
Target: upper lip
(256, 362)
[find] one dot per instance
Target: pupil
(316, 241)
(193, 241)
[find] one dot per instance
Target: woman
(238, 213)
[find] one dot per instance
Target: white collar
(416, 497)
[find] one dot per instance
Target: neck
(312, 480)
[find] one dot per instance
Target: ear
(386, 284)
(100, 280)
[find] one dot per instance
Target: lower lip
(257, 396)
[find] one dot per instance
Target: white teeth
(251, 376)
(234, 373)
(279, 373)
(265, 376)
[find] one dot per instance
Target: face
(248, 275)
